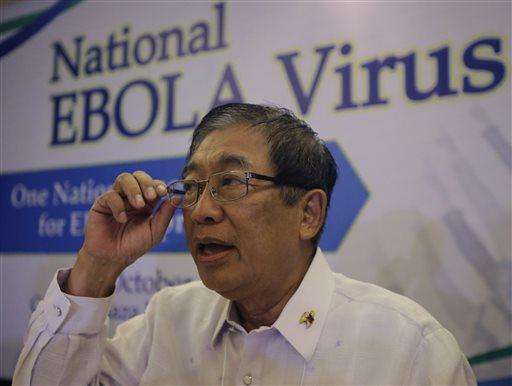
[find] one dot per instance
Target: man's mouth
(213, 251)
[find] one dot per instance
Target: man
(254, 195)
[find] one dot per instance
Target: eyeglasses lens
(224, 187)
(229, 186)
(185, 191)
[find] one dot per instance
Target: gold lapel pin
(307, 318)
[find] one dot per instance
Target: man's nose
(207, 210)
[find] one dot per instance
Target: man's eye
(232, 181)
(188, 187)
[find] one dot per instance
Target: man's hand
(119, 230)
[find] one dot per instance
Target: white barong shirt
(333, 331)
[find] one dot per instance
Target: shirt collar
(223, 318)
(313, 294)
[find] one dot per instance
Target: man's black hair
(299, 156)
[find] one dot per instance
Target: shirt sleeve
(66, 343)
(439, 361)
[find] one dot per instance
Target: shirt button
(58, 311)
(247, 379)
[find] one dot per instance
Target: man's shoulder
(388, 308)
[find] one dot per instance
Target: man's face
(245, 247)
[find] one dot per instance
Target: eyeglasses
(223, 186)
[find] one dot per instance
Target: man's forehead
(234, 146)
(220, 160)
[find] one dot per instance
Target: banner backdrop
(413, 99)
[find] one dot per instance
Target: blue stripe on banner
(497, 382)
(45, 211)
(347, 200)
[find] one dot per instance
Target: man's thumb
(161, 219)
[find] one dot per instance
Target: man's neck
(265, 308)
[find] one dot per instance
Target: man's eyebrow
(233, 159)
(222, 160)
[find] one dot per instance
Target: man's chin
(224, 283)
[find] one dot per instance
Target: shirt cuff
(68, 314)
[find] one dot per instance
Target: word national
(122, 51)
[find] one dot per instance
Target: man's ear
(314, 207)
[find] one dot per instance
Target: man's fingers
(146, 184)
(113, 202)
(160, 187)
(126, 185)
(142, 191)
